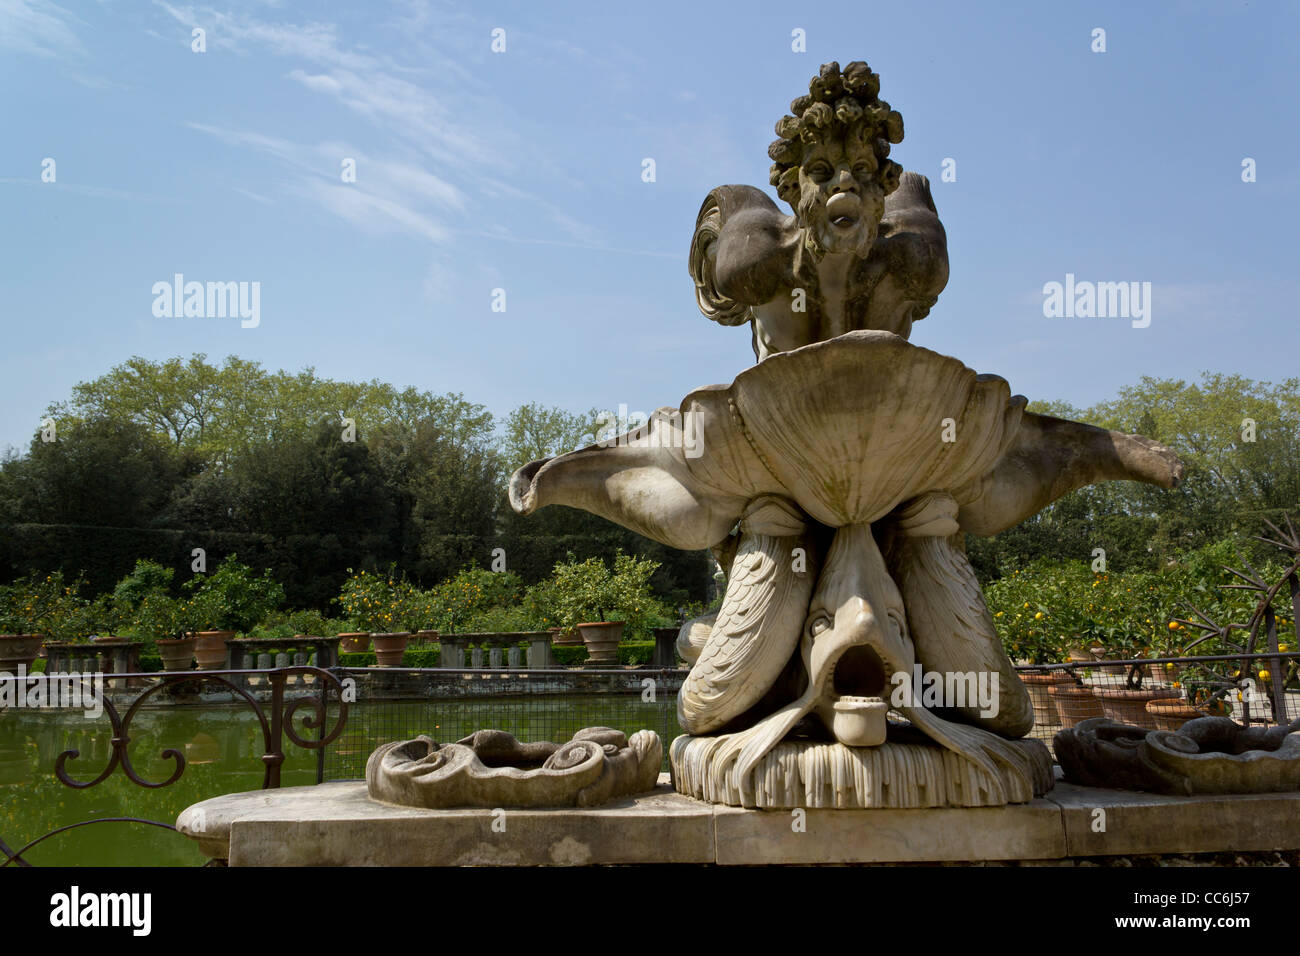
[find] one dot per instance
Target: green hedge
(310, 566)
(633, 652)
(414, 657)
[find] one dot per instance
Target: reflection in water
(202, 749)
(222, 747)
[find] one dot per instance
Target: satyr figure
(864, 249)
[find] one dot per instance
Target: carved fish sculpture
(899, 450)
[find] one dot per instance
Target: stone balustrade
(266, 652)
(116, 656)
(478, 650)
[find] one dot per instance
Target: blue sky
(522, 170)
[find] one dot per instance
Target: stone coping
(502, 638)
(300, 640)
(336, 824)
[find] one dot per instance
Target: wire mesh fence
(1164, 693)
(449, 705)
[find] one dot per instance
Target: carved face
(841, 201)
(856, 639)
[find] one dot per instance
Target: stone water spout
(835, 481)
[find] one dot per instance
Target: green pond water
(222, 745)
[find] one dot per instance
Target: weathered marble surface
(865, 248)
(1206, 755)
(802, 773)
(837, 449)
(835, 480)
(491, 768)
(337, 824)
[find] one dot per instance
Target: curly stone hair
(837, 104)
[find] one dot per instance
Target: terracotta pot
(1130, 706)
(1079, 655)
(210, 649)
(425, 637)
(389, 648)
(1074, 703)
(16, 649)
(1171, 713)
(565, 638)
(1160, 674)
(1038, 683)
(354, 642)
(601, 638)
(176, 652)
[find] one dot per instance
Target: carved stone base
(805, 773)
(1207, 755)
(490, 768)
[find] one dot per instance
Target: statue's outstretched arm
(1051, 457)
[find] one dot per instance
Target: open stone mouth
(842, 209)
(855, 708)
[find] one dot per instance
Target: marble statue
(834, 482)
(490, 768)
(1205, 755)
(865, 248)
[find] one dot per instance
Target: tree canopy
(314, 476)
(296, 471)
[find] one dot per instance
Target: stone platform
(336, 824)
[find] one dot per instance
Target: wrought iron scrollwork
(275, 725)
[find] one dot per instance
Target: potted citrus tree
(24, 605)
(376, 605)
(1126, 703)
(78, 623)
(585, 601)
(601, 603)
(1041, 646)
(166, 622)
(227, 602)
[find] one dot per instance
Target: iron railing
(375, 705)
(276, 723)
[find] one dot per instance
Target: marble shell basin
(849, 429)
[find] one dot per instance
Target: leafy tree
(536, 431)
(1230, 481)
(147, 577)
(317, 484)
(224, 411)
(232, 597)
(97, 472)
(175, 398)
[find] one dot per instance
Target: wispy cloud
(39, 28)
(98, 192)
(437, 127)
(256, 197)
(387, 195)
